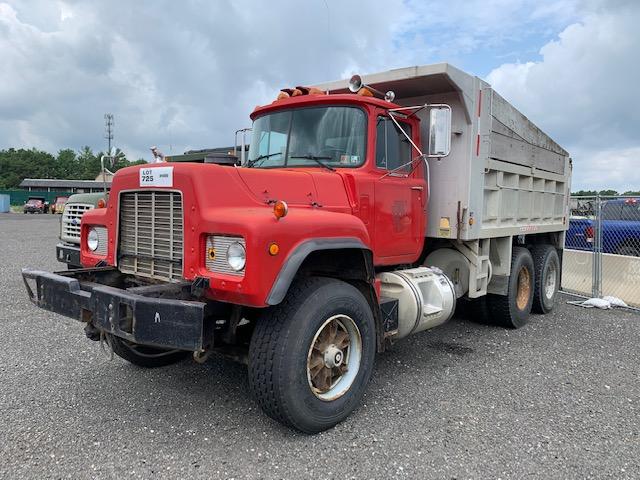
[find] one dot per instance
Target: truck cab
(357, 161)
(68, 249)
(58, 204)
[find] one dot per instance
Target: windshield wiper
(251, 163)
(316, 159)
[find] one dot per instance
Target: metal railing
(602, 248)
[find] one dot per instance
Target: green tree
(585, 193)
(66, 164)
(89, 164)
(16, 165)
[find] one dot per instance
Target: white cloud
(584, 93)
(453, 28)
(184, 74)
(615, 168)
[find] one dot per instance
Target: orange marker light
(280, 209)
(274, 249)
(211, 253)
(101, 203)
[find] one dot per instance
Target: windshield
(309, 137)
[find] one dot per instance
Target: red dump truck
(364, 211)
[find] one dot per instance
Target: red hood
(296, 186)
(225, 186)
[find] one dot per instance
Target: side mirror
(440, 131)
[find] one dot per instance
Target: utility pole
(108, 132)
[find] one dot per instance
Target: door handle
(418, 187)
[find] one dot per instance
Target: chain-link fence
(602, 248)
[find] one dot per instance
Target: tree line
(18, 164)
(604, 193)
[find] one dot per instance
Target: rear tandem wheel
(512, 310)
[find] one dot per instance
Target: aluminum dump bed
(503, 177)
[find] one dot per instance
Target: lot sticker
(156, 177)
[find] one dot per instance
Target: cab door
(399, 195)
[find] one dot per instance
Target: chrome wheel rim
(550, 281)
(333, 359)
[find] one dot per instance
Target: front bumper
(88, 295)
(69, 254)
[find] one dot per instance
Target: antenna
(108, 132)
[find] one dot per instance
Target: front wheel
(312, 356)
(144, 356)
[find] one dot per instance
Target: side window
(631, 212)
(612, 211)
(393, 149)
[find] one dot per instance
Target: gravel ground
(556, 399)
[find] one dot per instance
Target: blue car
(620, 228)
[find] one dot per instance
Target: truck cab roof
(315, 99)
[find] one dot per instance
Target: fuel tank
(426, 298)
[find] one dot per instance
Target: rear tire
(547, 277)
(312, 356)
(144, 356)
(512, 310)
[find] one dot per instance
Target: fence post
(597, 251)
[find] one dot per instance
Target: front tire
(144, 356)
(512, 310)
(312, 356)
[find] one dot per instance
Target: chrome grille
(102, 241)
(71, 217)
(151, 231)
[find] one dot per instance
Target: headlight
(92, 240)
(236, 256)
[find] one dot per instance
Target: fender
(299, 254)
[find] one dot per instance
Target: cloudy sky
(186, 74)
